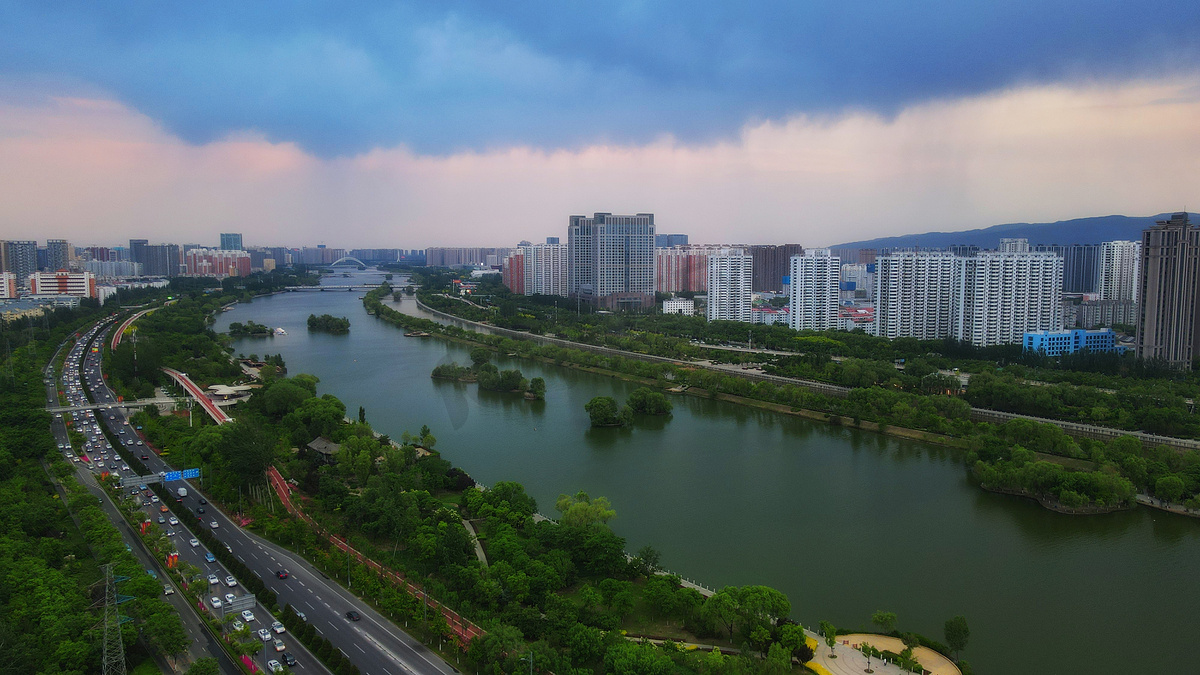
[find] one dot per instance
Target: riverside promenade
(850, 661)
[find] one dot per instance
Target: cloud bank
(96, 170)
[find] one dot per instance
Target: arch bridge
(348, 260)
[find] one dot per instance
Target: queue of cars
(82, 368)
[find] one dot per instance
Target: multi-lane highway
(372, 643)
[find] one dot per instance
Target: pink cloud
(95, 171)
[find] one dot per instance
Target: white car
(213, 580)
(278, 627)
(237, 625)
(264, 634)
(230, 581)
(214, 525)
(275, 666)
(167, 590)
(279, 646)
(247, 615)
(173, 520)
(215, 602)
(194, 542)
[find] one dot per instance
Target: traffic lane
(195, 555)
(328, 598)
(391, 652)
(196, 632)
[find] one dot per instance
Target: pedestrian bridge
(140, 403)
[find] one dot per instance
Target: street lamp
(529, 656)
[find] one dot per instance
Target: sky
(481, 123)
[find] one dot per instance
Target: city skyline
(472, 126)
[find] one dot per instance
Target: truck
(182, 492)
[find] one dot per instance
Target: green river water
(844, 522)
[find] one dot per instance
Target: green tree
(583, 511)
(723, 608)
(957, 634)
(830, 632)
(603, 412)
(204, 666)
(537, 387)
(1169, 488)
(649, 402)
(886, 621)
(362, 415)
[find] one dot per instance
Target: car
(278, 628)
(145, 456)
(289, 659)
(194, 542)
(154, 499)
(247, 615)
(161, 519)
(274, 666)
(282, 574)
(167, 590)
(230, 581)
(140, 443)
(264, 634)
(279, 646)
(230, 597)
(203, 500)
(199, 509)
(209, 557)
(215, 602)
(302, 615)
(213, 580)
(173, 520)
(152, 573)
(214, 525)
(236, 626)
(163, 508)
(352, 615)
(170, 533)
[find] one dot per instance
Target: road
(373, 644)
(202, 642)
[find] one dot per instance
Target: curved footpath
(977, 414)
(850, 661)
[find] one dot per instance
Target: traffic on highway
(370, 641)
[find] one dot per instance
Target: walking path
(850, 661)
(194, 389)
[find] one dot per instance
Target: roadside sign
(172, 475)
(190, 473)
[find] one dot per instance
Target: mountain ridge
(1090, 230)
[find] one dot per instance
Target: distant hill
(1077, 231)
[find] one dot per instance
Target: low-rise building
(685, 306)
(1057, 343)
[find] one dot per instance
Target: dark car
(282, 574)
(289, 659)
(200, 509)
(353, 615)
(203, 500)
(145, 456)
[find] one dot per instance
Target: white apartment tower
(814, 290)
(611, 260)
(545, 269)
(1001, 295)
(730, 278)
(914, 294)
(1119, 270)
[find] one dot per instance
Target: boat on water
(416, 333)
(280, 331)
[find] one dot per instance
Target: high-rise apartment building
(8, 286)
(111, 269)
(1119, 264)
(814, 290)
(730, 278)
(544, 267)
(203, 262)
(58, 254)
(137, 250)
(1080, 265)
(669, 240)
(460, 256)
(610, 260)
(1001, 295)
(914, 294)
(231, 241)
(858, 281)
(771, 265)
(163, 260)
(685, 268)
(1169, 292)
(77, 284)
(20, 258)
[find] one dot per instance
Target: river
(845, 522)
